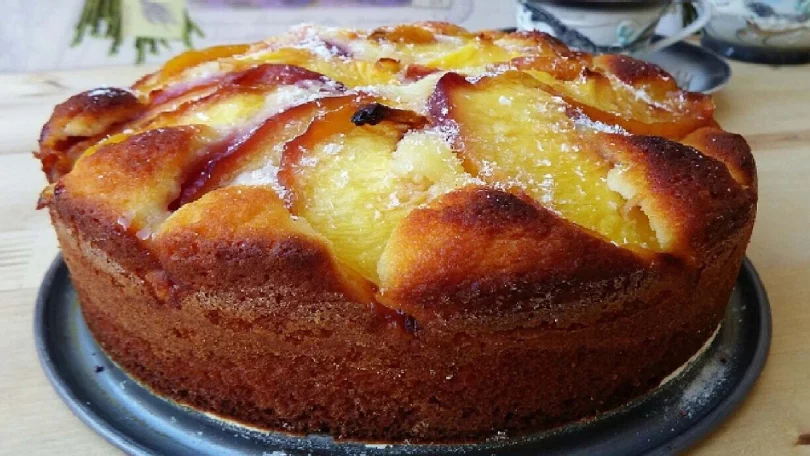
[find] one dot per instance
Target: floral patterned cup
(766, 31)
(606, 26)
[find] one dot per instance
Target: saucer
(695, 68)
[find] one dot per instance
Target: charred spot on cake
(374, 113)
(371, 114)
(409, 323)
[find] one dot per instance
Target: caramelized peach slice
(512, 134)
(428, 46)
(635, 95)
(355, 183)
(405, 33)
(259, 78)
(471, 57)
(184, 61)
(351, 72)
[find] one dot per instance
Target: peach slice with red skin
(257, 147)
(179, 100)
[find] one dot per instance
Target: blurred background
(36, 35)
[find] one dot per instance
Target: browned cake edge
(279, 356)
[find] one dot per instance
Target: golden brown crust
(433, 265)
(202, 350)
(203, 247)
(487, 294)
(633, 71)
(80, 122)
(691, 199)
(148, 166)
(729, 148)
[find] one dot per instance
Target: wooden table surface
(770, 106)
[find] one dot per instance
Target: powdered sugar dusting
(694, 357)
(583, 121)
(267, 176)
(309, 38)
(639, 93)
(701, 390)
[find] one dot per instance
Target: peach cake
(409, 233)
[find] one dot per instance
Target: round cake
(409, 233)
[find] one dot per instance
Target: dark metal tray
(133, 419)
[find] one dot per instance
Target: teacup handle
(704, 9)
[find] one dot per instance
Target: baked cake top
(420, 160)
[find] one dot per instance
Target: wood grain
(770, 106)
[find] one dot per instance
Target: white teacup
(606, 26)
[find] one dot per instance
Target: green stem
(80, 26)
(115, 25)
(95, 23)
(141, 50)
(107, 13)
